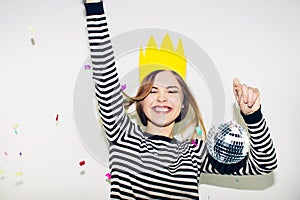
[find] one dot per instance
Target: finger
(251, 99)
(236, 82)
(237, 88)
(255, 95)
(238, 92)
(245, 93)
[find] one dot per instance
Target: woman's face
(163, 104)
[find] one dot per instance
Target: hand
(248, 98)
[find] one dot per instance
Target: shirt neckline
(159, 137)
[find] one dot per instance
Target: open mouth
(162, 109)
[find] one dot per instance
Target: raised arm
(107, 86)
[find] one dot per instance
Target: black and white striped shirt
(145, 166)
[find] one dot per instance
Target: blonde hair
(188, 100)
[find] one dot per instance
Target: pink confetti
(108, 175)
(81, 163)
(194, 142)
(123, 87)
(5, 153)
(56, 117)
(86, 67)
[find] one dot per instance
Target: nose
(161, 97)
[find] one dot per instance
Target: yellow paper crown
(165, 58)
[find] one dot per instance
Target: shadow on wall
(260, 182)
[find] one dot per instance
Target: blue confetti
(199, 131)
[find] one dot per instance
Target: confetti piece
(56, 119)
(86, 67)
(6, 153)
(108, 175)
(199, 131)
(1, 171)
(123, 87)
(19, 173)
(19, 183)
(82, 173)
(236, 180)
(32, 42)
(15, 126)
(194, 142)
(20, 154)
(81, 163)
(32, 30)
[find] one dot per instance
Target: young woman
(151, 163)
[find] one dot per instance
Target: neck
(157, 130)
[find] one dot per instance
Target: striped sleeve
(107, 86)
(261, 158)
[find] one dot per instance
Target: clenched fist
(248, 98)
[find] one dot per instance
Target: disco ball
(227, 143)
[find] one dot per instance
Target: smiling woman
(151, 163)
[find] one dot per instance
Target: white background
(257, 41)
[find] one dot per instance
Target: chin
(162, 123)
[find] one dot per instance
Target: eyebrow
(169, 87)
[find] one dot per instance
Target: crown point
(152, 42)
(180, 49)
(167, 43)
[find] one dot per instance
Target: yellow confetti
(15, 126)
(19, 173)
(32, 30)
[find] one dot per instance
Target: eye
(153, 90)
(173, 91)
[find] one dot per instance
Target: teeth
(161, 109)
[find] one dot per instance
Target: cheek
(146, 105)
(176, 100)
